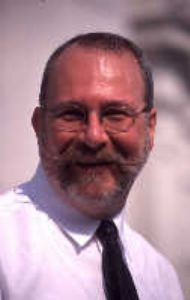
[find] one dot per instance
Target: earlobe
(152, 125)
(37, 120)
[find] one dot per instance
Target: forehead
(87, 73)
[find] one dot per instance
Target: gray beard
(59, 166)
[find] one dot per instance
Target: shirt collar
(80, 228)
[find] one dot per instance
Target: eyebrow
(118, 104)
(65, 104)
(78, 104)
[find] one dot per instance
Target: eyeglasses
(74, 118)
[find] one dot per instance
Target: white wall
(30, 30)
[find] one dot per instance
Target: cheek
(131, 144)
(57, 141)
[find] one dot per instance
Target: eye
(115, 114)
(70, 114)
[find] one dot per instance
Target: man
(95, 128)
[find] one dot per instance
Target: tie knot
(107, 232)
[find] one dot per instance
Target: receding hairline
(77, 47)
(107, 42)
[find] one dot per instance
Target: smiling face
(92, 167)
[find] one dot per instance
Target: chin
(96, 201)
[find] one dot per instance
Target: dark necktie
(117, 280)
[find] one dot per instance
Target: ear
(37, 121)
(152, 125)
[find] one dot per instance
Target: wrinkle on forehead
(101, 59)
(80, 68)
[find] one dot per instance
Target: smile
(94, 164)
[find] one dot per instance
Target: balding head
(106, 42)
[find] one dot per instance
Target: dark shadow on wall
(166, 40)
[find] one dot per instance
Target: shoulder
(18, 219)
(150, 266)
(14, 202)
(20, 236)
(19, 223)
(138, 248)
(15, 209)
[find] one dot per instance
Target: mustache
(73, 156)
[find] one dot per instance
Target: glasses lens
(120, 125)
(64, 125)
(74, 119)
(68, 119)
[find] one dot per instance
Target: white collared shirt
(48, 251)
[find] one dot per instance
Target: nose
(94, 135)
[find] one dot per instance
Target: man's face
(93, 168)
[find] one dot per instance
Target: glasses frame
(145, 109)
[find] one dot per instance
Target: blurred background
(159, 205)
